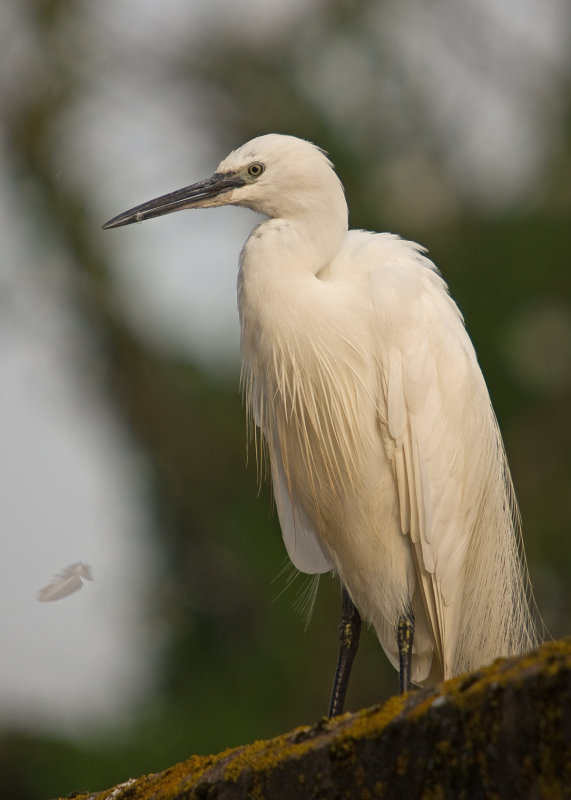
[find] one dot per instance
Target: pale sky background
(71, 486)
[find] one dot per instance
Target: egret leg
(349, 633)
(405, 636)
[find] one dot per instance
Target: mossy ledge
(500, 732)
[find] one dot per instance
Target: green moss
(473, 699)
(370, 721)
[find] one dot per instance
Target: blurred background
(123, 440)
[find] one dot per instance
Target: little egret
(387, 464)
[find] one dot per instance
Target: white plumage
(386, 459)
(67, 582)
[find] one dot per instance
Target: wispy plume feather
(67, 582)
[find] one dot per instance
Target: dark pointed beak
(198, 195)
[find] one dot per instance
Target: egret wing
(302, 543)
(303, 546)
(432, 401)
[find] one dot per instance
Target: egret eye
(255, 169)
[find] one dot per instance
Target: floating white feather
(68, 581)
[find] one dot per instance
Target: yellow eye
(255, 169)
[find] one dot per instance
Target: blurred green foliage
(238, 666)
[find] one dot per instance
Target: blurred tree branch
(189, 425)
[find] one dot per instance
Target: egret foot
(349, 633)
(405, 636)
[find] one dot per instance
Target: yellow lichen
(339, 738)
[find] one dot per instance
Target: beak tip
(117, 222)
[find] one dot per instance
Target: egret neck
(286, 252)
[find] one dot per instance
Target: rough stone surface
(501, 732)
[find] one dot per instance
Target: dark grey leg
(405, 635)
(349, 633)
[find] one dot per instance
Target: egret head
(277, 175)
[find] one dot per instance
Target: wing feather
(66, 582)
(428, 372)
(302, 543)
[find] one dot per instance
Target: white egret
(387, 464)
